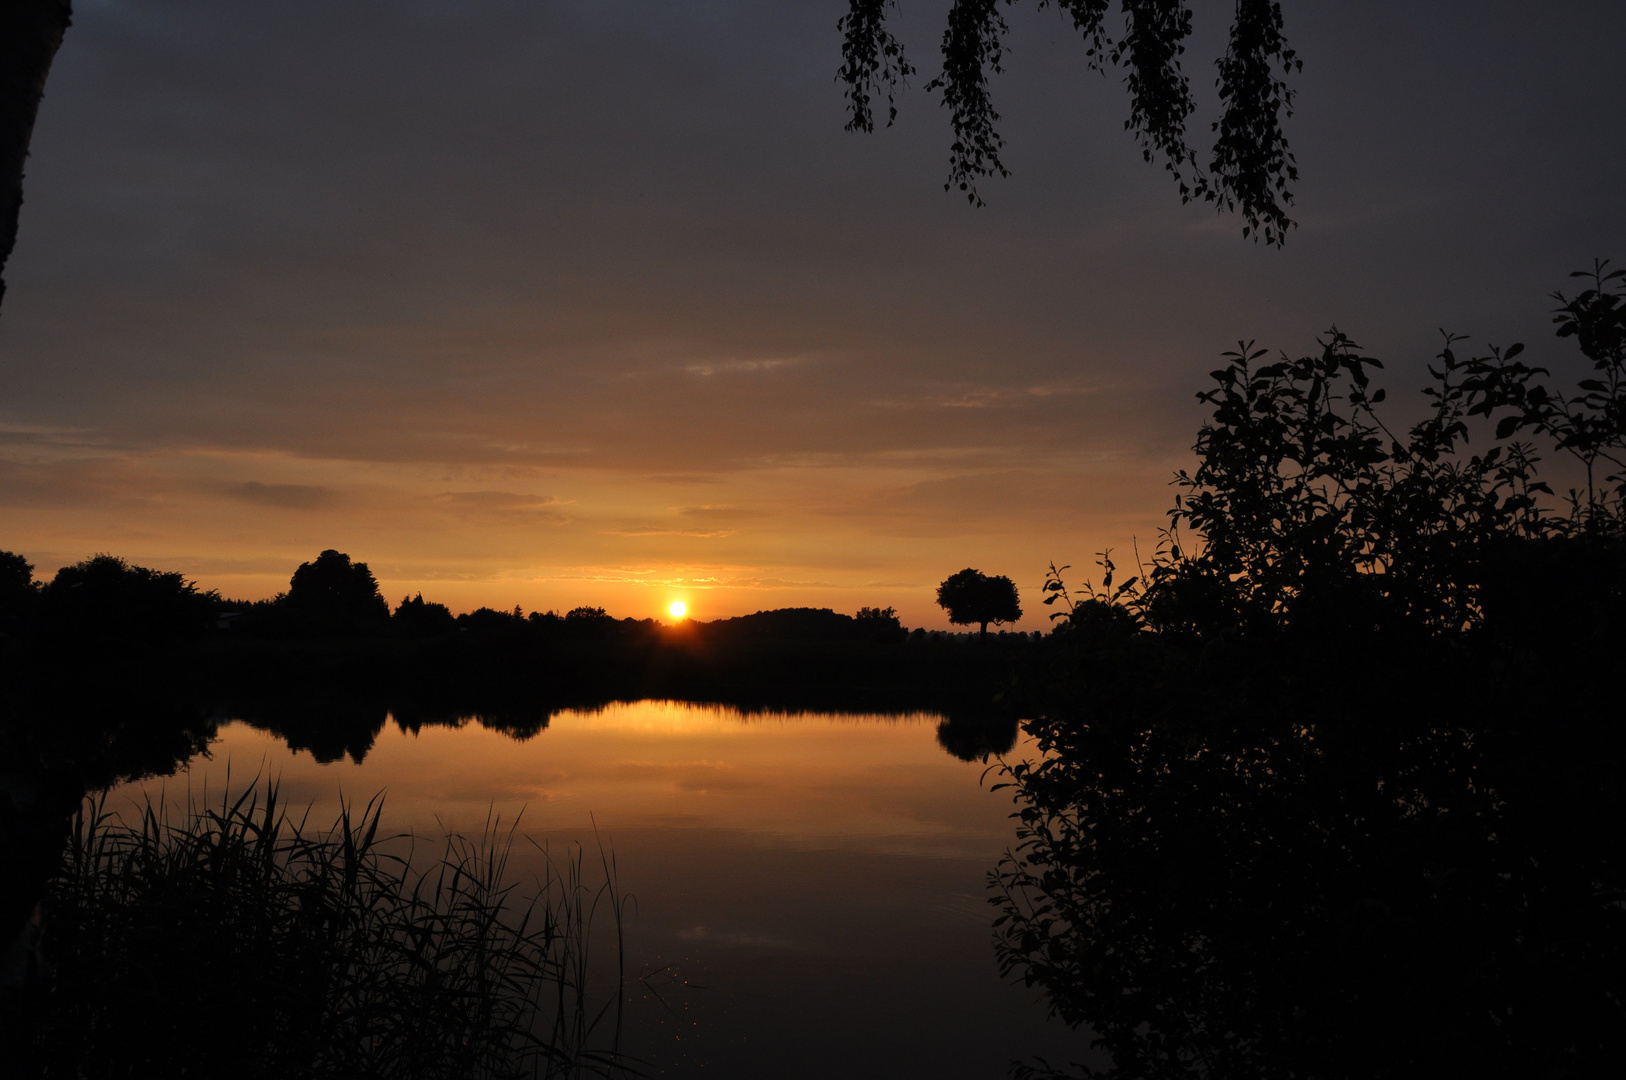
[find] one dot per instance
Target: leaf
(1507, 426)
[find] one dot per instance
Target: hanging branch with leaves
(1251, 166)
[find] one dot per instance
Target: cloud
(101, 482)
(285, 496)
(508, 506)
(735, 367)
(686, 479)
(988, 397)
(712, 535)
(722, 513)
(494, 500)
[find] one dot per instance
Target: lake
(809, 888)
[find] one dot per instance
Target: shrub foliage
(1334, 786)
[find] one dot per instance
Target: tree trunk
(30, 34)
(983, 636)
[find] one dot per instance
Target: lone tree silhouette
(334, 594)
(972, 598)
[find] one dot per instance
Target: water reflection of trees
(976, 729)
(1340, 793)
(1303, 866)
(336, 724)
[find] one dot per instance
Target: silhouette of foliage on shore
(334, 596)
(105, 597)
(231, 938)
(100, 600)
(417, 617)
(19, 592)
(1335, 788)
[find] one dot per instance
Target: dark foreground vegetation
(234, 940)
(1336, 786)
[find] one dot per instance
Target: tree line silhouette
(334, 597)
(1333, 787)
(326, 662)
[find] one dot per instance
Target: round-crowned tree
(336, 596)
(973, 598)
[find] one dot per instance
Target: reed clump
(231, 939)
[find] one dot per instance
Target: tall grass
(233, 939)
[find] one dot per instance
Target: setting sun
(678, 609)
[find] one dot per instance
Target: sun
(678, 609)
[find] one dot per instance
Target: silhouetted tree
(1333, 787)
(30, 34)
(106, 597)
(417, 617)
(1314, 514)
(546, 623)
(589, 622)
(880, 624)
(494, 621)
(334, 595)
(1589, 426)
(1250, 166)
(972, 598)
(18, 591)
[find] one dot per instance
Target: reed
(231, 938)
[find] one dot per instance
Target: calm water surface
(811, 884)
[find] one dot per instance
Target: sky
(561, 303)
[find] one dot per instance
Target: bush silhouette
(879, 624)
(105, 597)
(1332, 787)
(18, 592)
(416, 617)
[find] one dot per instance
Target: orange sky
(575, 303)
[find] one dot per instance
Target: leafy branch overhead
(1250, 167)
